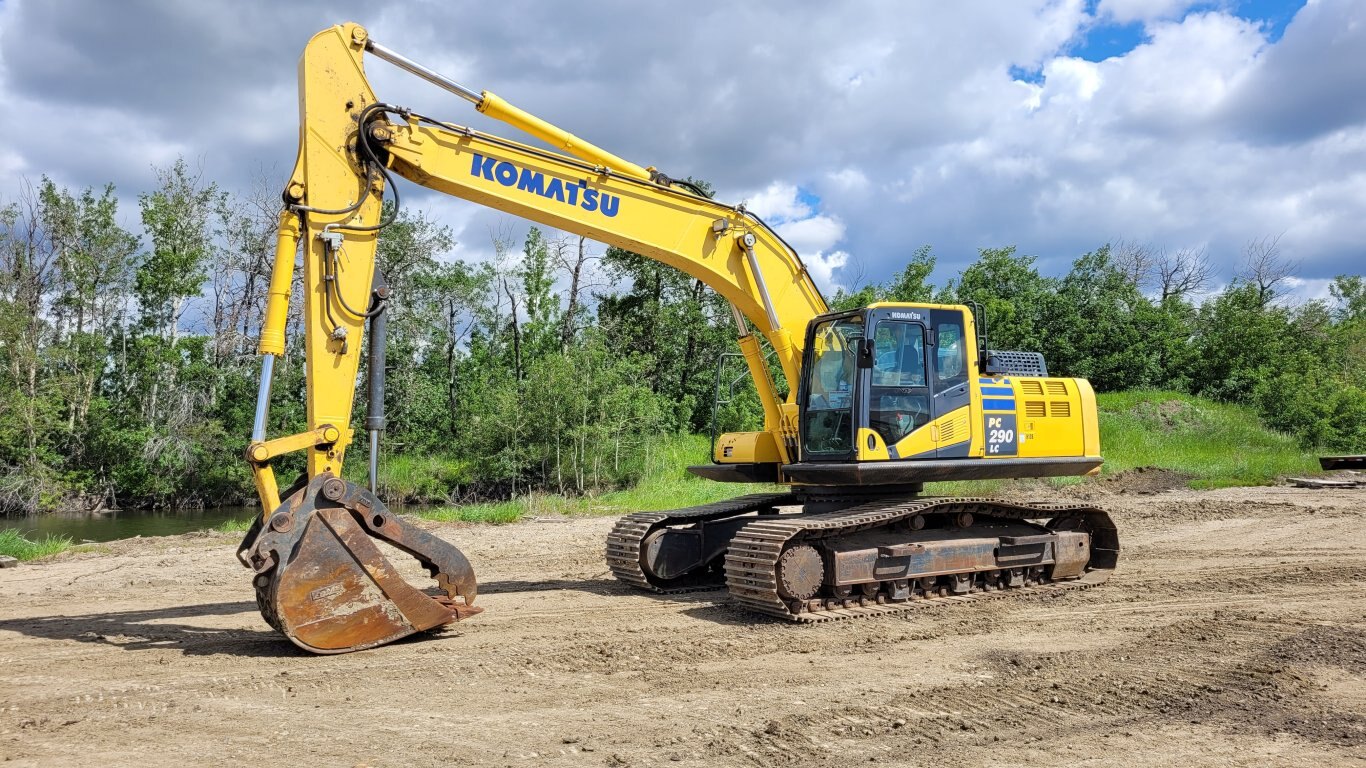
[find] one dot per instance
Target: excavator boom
(349, 144)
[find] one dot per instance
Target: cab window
(899, 355)
(951, 360)
(899, 400)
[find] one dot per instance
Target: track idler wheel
(323, 583)
(800, 573)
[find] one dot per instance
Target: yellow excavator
(883, 398)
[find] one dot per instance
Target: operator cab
(875, 377)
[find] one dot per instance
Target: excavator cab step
(322, 581)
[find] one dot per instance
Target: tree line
(128, 367)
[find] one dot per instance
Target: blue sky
(1106, 38)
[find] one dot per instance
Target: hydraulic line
(374, 416)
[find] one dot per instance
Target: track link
(752, 558)
(625, 542)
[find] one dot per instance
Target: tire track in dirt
(1243, 676)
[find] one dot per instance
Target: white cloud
(778, 202)
(848, 180)
(822, 268)
(1070, 81)
(892, 127)
(811, 234)
(1125, 11)
(11, 164)
(1184, 74)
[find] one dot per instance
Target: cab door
(948, 378)
(897, 403)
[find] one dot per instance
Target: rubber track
(752, 559)
(628, 536)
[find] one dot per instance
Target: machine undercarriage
(866, 557)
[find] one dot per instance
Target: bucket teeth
(324, 583)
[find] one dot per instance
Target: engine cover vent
(1016, 363)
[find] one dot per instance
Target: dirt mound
(1143, 480)
(1169, 415)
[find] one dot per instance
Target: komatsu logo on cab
(527, 180)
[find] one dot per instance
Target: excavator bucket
(322, 581)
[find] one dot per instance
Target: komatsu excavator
(884, 398)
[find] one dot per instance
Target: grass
(16, 546)
(665, 484)
(1216, 444)
(403, 476)
(495, 512)
(1213, 444)
(239, 525)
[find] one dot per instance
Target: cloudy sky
(862, 129)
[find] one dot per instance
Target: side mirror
(866, 353)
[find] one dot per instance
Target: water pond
(124, 524)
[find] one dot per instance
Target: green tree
(540, 303)
(177, 218)
(95, 267)
(1012, 293)
(1100, 327)
(29, 270)
(408, 255)
(677, 324)
(910, 284)
(1349, 291)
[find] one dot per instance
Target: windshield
(828, 428)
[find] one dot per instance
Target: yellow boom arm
(333, 206)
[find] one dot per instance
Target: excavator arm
(320, 580)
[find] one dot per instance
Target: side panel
(746, 448)
(1090, 418)
(1050, 419)
(871, 446)
(924, 442)
(953, 438)
(999, 422)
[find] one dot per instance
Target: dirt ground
(1233, 634)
